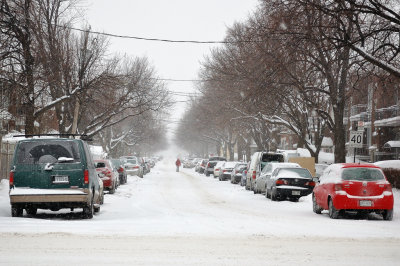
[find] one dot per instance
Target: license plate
(365, 203)
(60, 179)
(296, 193)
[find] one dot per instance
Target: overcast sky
(201, 20)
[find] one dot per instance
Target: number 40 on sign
(356, 139)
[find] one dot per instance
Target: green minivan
(53, 173)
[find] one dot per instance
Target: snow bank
(388, 164)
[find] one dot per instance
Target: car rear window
(217, 159)
(268, 157)
(132, 161)
(47, 151)
(294, 172)
(362, 174)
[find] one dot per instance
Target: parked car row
(339, 189)
(138, 166)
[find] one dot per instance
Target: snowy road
(184, 218)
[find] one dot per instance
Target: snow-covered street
(185, 218)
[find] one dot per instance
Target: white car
(260, 181)
(217, 168)
(132, 165)
(226, 170)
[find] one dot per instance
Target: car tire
(333, 213)
(388, 215)
(112, 190)
(31, 211)
(273, 196)
(16, 212)
(267, 195)
(316, 208)
(294, 199)
(255, 190)
(88, 210)
(207, 173)
(96, 209)
(102, 198)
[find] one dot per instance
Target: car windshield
(294, 172)
(362, 174)
(48, 151)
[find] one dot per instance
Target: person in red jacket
(177, 163)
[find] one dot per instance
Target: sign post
(356, 141)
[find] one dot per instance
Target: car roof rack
(82, 136)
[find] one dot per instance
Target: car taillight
(388, 187)
(107, 173)
(224, 171)
(11, 179)
(254, 174)
(281, 182)
(338, 187)
(136, 167)
(208, 165)
(310, 183)
(120, 169)
(86, 176)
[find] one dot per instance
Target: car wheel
(267, 193)
(316, 208)
(88, 210)
(16, 212)
(273, 196)
(207, 173)
(294, 199)
(388, 215)
(333, 213)
(31, 211)
(96, 208)
(112, 190)
(102, 198)
(255, 190)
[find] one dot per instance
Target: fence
(6, 154)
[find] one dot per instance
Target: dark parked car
(226, 170)
(289, 183)
(212, 161)
(53, 173)
(123, 177)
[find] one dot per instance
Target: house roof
(392, 144)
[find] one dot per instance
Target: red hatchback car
(108, 174)
(361, 188)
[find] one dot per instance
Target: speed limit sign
(356, 139)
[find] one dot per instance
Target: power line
(156, 39)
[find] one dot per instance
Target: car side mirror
(316, 179)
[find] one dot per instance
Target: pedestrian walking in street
(178, 164)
